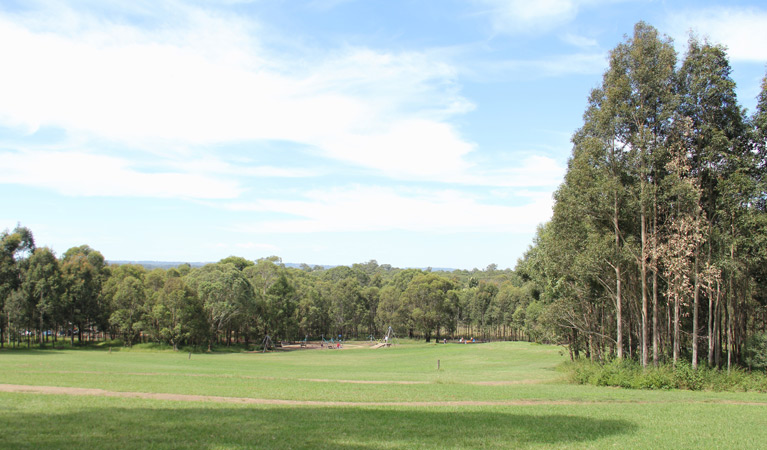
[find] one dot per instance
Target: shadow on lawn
(302, 427)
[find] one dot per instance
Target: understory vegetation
(630, 374)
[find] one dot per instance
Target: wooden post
(437, 364)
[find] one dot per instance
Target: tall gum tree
(15, 246)
(639, 99)
(709, 102)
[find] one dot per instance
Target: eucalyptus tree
(180, 314)
(15, 246)
(640, 97)
(281, 306)
(83, 275)
(759, 121)
(43, 284)
(683, 234)
(345, 304)
(715, 140)
(129, 309)
(432, 300)
(263, 274)
(391, 311)
(126, 294)
(227, 296)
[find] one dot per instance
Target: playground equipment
(387, 339)
(267, 343)
(332, 343)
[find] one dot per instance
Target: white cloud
(84, 174)
(207, 80)
(742, 31)
(582, 63)
(532, 171)
(373, 208)
(580, 41)
(523, 16)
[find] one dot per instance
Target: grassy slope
(609, 417)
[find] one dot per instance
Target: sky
(426, 133)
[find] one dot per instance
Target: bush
(685, 377)
(629, 374)
(755, 352)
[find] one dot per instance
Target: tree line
(657, 248)
(80, 296)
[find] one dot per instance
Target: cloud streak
(84, 174)
(377, 208)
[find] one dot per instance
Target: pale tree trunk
(643, 274)
(710, 329)
(731, 299)
(618, 302)
(677, 344)
(655, 331)
(696, 297)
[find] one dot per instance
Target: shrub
(629, 374)
(755, 351)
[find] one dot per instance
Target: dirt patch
(504, 383)
(322, 380)
(58, 390)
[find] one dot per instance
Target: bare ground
(25, 389)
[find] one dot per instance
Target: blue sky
(416, 133)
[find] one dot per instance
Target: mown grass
(560, 415)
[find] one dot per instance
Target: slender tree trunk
(677, 335)
(618, 301)
(710, 328)
(41, 327)
(643, 274)
(731, 298)
(718, 329)
(729, 333)
(655, 332)
(668, 337)
(696, 297)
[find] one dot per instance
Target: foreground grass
(560, 415)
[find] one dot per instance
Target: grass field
(500, 395)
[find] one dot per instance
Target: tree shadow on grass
(101, 425)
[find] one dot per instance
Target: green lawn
(541, 411)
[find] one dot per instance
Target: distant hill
(149, 265)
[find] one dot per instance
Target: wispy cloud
(377, 208)
(582, 63)
(155, 89)
(579, 41)
(523, 16)
(84, 174)
(742, 30)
